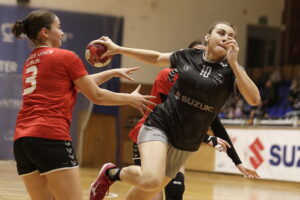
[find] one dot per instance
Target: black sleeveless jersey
(195, 99)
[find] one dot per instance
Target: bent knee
(151, 184)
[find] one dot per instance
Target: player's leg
(149, 177)
(56, 162)
(61, 170)
(159, 196)
(37, 186)
(175, 169)
(153, 146)
(65, 184)
(137, 194)
(176, 187)
(174, 160)
(137, 161)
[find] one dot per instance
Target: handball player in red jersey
(43, 149)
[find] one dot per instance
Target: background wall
(168, 25)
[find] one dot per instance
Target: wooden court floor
(199, 186)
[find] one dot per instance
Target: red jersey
(162, 85)
(49, 93)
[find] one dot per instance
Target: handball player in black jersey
(177, 127)
(160, 89)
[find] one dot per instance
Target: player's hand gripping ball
(93, 52)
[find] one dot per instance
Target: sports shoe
(99, 188)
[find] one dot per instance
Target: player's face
(55, 34)
(219, 35)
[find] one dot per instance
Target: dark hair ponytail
(18, 28)
(196, 42)
(33, 23)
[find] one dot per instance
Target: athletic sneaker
(99, 188)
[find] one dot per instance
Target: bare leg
(182, 169)
(65, 184)
(158, 196)
(37, 186)
(150, 176)
(137, 194)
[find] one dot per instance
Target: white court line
(112, 195)
(109, 196)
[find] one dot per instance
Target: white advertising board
(273, 153)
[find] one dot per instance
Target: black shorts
(136, 155)
(43, 155)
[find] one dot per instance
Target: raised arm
(245, 85)
(147, 56)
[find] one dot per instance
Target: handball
(93, 52)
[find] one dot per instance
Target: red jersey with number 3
(49, 93)
(162, 86)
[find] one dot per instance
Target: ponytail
(18, 28)
(33, 23)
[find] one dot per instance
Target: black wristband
(219, 131)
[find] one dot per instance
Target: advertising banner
(274, 153)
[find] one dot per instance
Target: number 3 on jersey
(30, 79)
(205, 71)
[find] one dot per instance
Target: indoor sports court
(266, 137)
(199, 185)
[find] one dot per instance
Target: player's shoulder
(190, 51)
(194, 50)
(65, 52)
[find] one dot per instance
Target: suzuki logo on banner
(286, 155)
(256, 147)
(7, 36)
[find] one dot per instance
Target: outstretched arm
(104, 76)
(105, 97)
(217, 143)
(148, 56)
(219, 131)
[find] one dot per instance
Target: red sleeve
(74, 66)
(161, 84)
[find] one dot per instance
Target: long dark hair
(33, 23)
